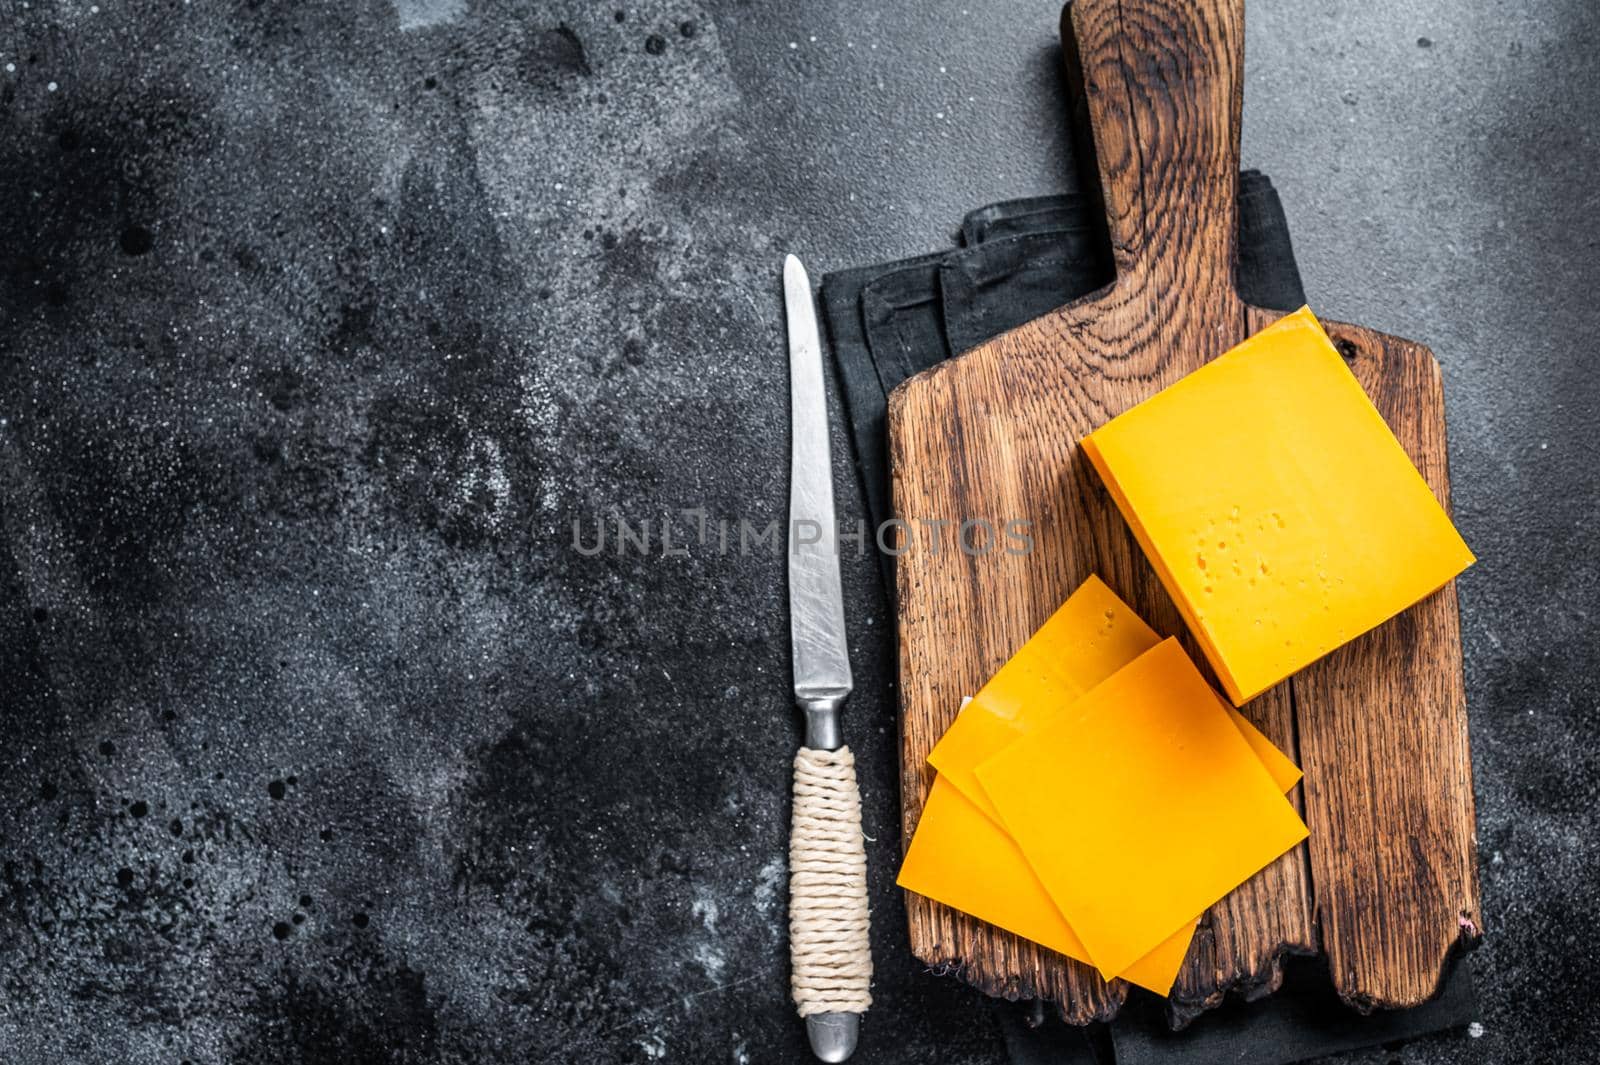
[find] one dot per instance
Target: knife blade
(816, 600)
(829, 946)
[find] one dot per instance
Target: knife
(830, 961)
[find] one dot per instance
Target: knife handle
(830, 958)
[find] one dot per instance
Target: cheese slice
(959, 854)
(961, 858)
(1140, 806)
(1276, 505)
(1284, 773)
(1091, 636)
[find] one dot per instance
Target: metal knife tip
(793, 269)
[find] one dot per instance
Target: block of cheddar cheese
(1140, 806)
(1278, 508)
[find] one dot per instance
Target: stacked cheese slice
(1097, 796)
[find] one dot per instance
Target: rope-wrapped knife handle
(830, 957)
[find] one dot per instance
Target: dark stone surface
(322, 324)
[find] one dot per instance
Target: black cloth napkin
(1019, 259)
(1304, 1020)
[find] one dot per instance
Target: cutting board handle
(1162, 82)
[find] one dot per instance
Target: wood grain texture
(994, 435)
(1383, 742)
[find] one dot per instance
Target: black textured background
(321, 323)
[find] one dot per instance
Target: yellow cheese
(1089, 637)
(961, 858)
(960, 855)
(1278, 509)
(1284, 773)
(1140, 806)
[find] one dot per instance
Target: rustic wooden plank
(994, 435)
(1383, 742)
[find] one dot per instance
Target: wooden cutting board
(1387, 884)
